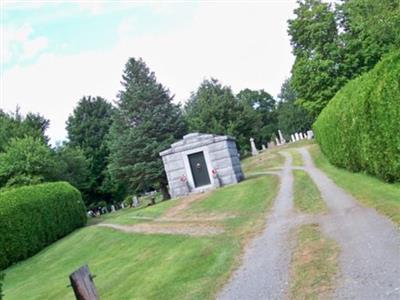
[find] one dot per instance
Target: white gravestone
(292, 138)
(263, 147)
(282, 140)
(112, 208)
(310, 134)
(297, 137)
(277, 142)
(254, 150)
(135, 201)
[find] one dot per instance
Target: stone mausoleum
(200, 162)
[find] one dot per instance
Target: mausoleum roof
(194, 140)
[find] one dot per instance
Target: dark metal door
(199, 169)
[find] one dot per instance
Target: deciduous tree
(87, 128)
(25, 161)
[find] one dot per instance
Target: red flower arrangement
(183, 178)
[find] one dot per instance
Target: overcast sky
(55, 52)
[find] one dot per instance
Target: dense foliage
(87, 128)
(292, 117)
(1, 285)
(25, 161)
(72, 166)
(335, 43)
(145, 123)
(314, 35)
(32, 217)
(263, 117)
(359, 129)
(214, 108)
(15, 125)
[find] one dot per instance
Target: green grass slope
(149, 266)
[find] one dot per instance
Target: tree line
(113, 149)
(334, 43)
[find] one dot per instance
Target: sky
(55, 52)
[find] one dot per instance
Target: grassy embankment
(151, 266)
(266, 160)
(370, 191)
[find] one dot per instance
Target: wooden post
(83, 285)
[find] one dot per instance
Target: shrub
(128, 200)
(33, 217)
(359, 128)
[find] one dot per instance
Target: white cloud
(243, 45)
(93, 7)
(19, 44)
(127, 27)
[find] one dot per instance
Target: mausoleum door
(199, 169)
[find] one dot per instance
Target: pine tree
(146, 122)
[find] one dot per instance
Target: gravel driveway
(370, 245)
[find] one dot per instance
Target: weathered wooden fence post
(83, 285)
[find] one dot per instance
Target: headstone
(271, 145)
(122, 205)
(292, 139)
(254, 150)
(135, 201)
(263, 147)
(112, 208)
(310, 134)
(297, 137)
(281, 139)
(277, 142)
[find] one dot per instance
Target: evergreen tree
(146, 122)
(88, 128)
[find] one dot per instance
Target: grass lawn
(149, 266)
(134, 215)
(384, 197)
(307, 197)
(264, 161)
(314, 264)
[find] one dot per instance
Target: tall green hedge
(33, 217)
(360, 128)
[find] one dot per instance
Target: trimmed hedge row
(360, 127)
(33, 217)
